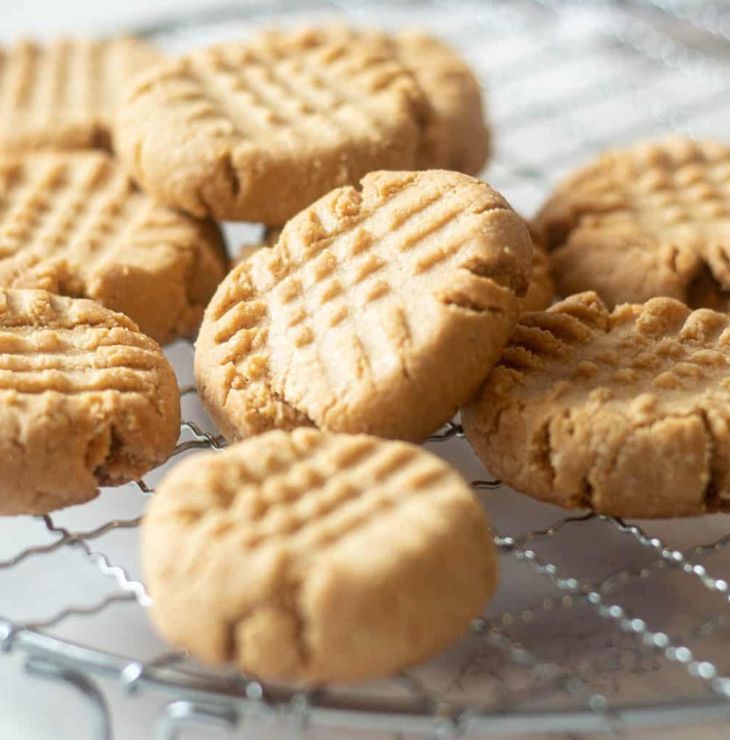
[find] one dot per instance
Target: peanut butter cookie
(624, 412)
(86, 400)
(63, 94)
(646, 221)
(314, 557)
(379, 310)
(259, 130)
(74, 224)
(539, 294)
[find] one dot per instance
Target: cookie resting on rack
(260, 129)
(314, 557)
(651, 220)
(379, 310)
(626, 413)
(63, 94)
(73, 223)
(86, 400)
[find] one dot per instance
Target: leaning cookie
(645, 221)
(455, 136)
(625, 412)
(73, 223)
(315, 557)
(379, 310)
(259, 130)
(86, 400)
(63, 94)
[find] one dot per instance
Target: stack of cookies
(393, 289)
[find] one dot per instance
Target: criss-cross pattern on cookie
(65, 92)
(47, 345)
(73, 223)
(363, 286)
(650, 220)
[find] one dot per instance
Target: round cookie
(86, 400)
(646, 221)
(258, 130)
(63, 94)
(624, 412)
(455, 135)
(314, 557)
(379, 310)
(73, 223)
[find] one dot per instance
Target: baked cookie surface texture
(258, 130)
(315, 557)
(86, 400)
(63, 94)
(646, 221)
(625, 412)
(379, 310)
(73, 223)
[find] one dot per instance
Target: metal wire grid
(527, 39)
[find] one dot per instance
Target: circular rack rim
(205, 692)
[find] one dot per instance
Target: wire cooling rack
(599, 623)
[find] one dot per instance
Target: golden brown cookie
(259, 130)
(624, 412)
(455, 136)
(379, 310)
(86, 400)
(63, 94)
(641, 222)
(73, 223)
(315, 557)
(539, 294)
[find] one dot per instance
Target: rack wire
(600, 624)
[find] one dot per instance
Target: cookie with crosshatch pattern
(73, 223)
(539, 294)
(624, 412)
(316, 557)
(650, 220)
(86, 400)
(379, 310)
(260, 129)
(63, 94)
